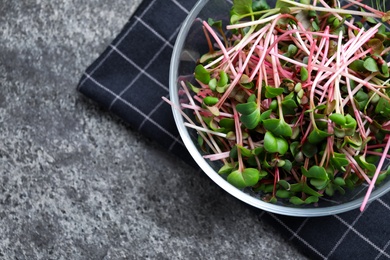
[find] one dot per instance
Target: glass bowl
(189, 47)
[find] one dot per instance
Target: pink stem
(218, 156)
(369, 8)
(378, 169)
(220, 44)
(204, 110)
(378, 154)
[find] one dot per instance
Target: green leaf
(371, 65)
(217, 24)
(289, 105)
(330, 106)
(226, 169)
(288, 165)
(386, 17)
(339, 181)
(354, 141)
(214, 110)
(252, 98)
(271, 92)
(260, 5)
(382, 176)
(209, 56)
(357, 65)
(296, 201)
(283, 194)
(278, 127)
(233, 152)
(273, 199)
(376, 45)
(385, 70)
(361, 160)
(298, 87)
(315, 26)
(250, 113)
(280, 4)
(222, 89)
(383, 108)
(309, 191)
(263, 174)
(200, 140)
(311, 199)
(361, 99)
(316, 136)
(296, 187)
(210, 101)
(242, 7)
(258, 150)
(213, 125)
(321, 120)
(213, 84)
(309, 149)
(246, 108)
(245, 79)
(265, 115)
(266, 188)
(227, 123)
(202, 74)
(230, 135)
(244, 151)
(234, 18)
(316, 172)
(274, 144)
(350, 122)
(223, 79)
(304, 74)
(285, 10)
(319, 184)
(274, 105)
(338, 118)
(292, 50)
(193, 88)
(282, 145)
(246, 178)
(329, 190)
(284, 184)
(270, 143)
(339, 161)
(374, 159)
(252, 120)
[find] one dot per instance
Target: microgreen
(296, 101)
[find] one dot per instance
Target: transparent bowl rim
(211, 173)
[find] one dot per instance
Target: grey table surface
(76, 182)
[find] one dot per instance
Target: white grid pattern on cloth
(154, 32)
(135, 109)
(142, 71)
(181, 6)
(299, 228)
(350, 227)
(298, 233)
(384, 204)
(118, 42)
(383, 250)
(154, 110)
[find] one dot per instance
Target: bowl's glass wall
(189, 47)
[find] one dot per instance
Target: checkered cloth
(129, 79)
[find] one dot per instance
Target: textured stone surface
(78, 183)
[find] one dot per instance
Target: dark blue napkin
(129, 79)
